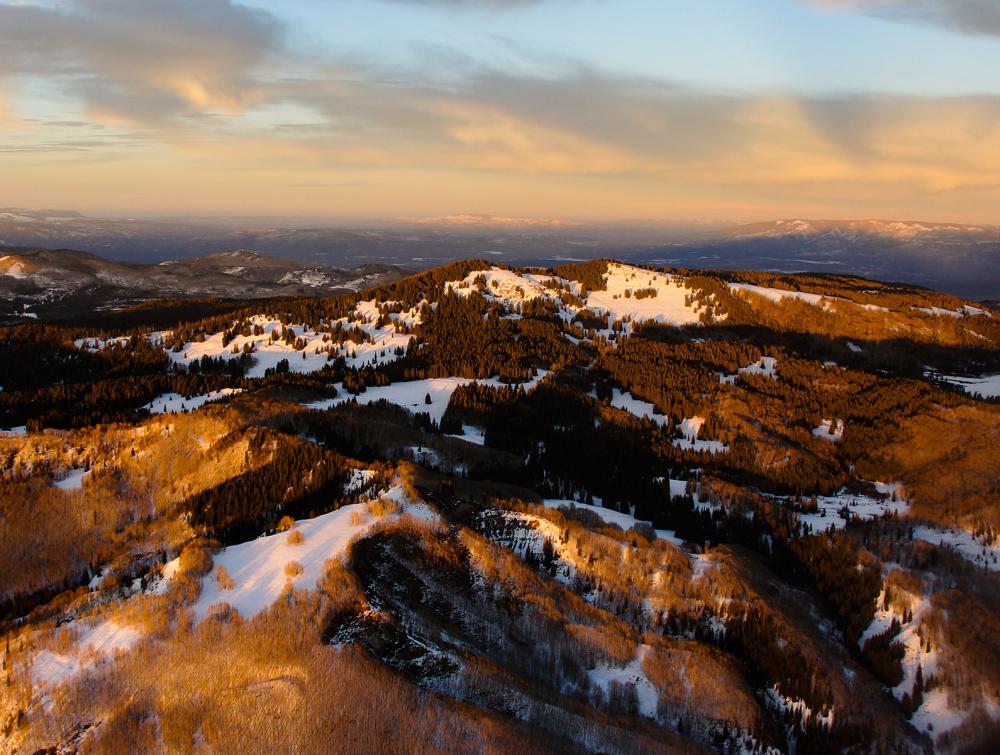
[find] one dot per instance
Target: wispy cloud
(142, 61)
(967, 16)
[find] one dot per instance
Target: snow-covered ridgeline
(662, 298)
(313, 355)
(257, 570)
(966, 310)
(778, 295)
(381, 347)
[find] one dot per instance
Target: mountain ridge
(614, 508)
(43, 283)
(958, 258)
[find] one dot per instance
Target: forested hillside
(599, 508)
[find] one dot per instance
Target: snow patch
(172, 403)
(636, 407)
(472, 434)
(690, 428)
(962, 542)
(257, 568)
(987, 386)
(832, 508)
(604, 675)
(778, 294)
(830, 429)
(73, 480)
(623, 520)
(50, 669)
(412, 394)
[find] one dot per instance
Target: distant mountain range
(47, 284)
(899, 229)
(960, 259)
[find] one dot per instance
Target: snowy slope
(778, 294)
(412, 394)
(637, 407)
(380, 346)
(257, 568)
(73, 480)
(987, 386)
(623, 520)
(94, 644)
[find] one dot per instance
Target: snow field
(668, 306)
(966, 310)
(257, 568)
(97, 344)
(766, 366)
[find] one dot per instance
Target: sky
(585, 110)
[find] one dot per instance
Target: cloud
(208, 85)
(967, 16)
(142, 61)
(489, 4)
(584, 122)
